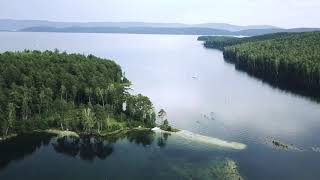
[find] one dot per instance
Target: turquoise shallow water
(219, 102)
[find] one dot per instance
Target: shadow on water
(175, 159)
(17, 148)
(162, 140)
(287, 86)
(87, 148)
(146, 138)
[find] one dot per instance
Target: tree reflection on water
(17, 148)
(90, 147)
(87, 148)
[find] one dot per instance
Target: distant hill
(220, 42)
(256, 32)
(131, 30)
(142, 28)
(230, 27)
(14, 25)
(163, 30)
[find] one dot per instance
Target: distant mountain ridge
(230, 27)
(14, 25)
(131, 30)
(142, 28)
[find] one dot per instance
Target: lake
(200, 92)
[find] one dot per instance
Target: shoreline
(190, 136)
(67, 133)
(8, 137)
(194, 137)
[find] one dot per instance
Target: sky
(282, 13)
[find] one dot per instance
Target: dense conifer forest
(41, 90)
(289, 59)
(219, 42)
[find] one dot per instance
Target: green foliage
(139, 107)
(288, 60)
(220, 42)
(88, 120)
(294, 59)
(162, 115)
(101, 115)
(48, 89)
(165, 126)
(11, 117)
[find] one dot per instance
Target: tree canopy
(40, 90)
(220, 42)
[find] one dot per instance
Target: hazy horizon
(151, 22)
(285, 14)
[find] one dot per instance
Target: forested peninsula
(52, 89)
(290, 61)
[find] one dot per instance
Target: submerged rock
(215, 168)
(280, 144)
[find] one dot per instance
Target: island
(290, 61)
(67, 94)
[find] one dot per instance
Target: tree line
(290, 60)
(52, 89)
(220, 42)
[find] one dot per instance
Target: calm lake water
(201, 93)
